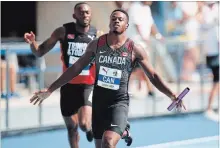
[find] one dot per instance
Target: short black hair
(123, 11)
(80, 3)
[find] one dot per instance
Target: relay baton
(179, 98)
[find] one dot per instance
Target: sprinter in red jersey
(75, 96)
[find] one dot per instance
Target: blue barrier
(29, 70)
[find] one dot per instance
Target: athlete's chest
(112, 66)
(76, 44)
(112, 58)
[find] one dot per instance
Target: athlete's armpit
(49, 43)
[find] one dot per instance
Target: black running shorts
(74, 96)
(113, 118)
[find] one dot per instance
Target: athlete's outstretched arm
(69, 74)
(77, 67)
(142, 58)
(48, 44)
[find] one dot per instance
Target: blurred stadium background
(24, 125)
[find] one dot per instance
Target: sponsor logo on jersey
(91, 37)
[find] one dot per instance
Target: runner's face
(83, 15)
(118, 22)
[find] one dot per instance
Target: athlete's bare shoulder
(59, 33)
(139, 52)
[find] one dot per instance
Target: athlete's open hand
(29, 37)
(40, 96)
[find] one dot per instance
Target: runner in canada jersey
(113, 67)
(115, 56)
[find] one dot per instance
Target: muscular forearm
(68, 75)
(161, 86)
(40, 50)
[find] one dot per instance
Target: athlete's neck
(114, 39)
(82, 29)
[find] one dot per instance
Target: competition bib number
(109, 78)
(85, 71)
